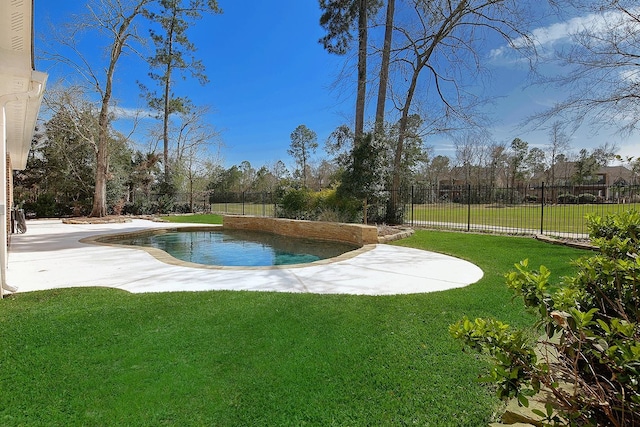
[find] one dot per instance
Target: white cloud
(630, 75)
(545, 38)
(132, 113)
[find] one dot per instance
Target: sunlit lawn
(554, 218)
(195, 218)
(103, 357)
(530, 217)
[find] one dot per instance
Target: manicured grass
(259, 209)
(105, 357)
(195, 218)
(554, 218)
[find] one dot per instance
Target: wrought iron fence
(527, 210)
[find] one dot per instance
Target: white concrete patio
(50, 255)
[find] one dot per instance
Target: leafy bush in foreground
(589, 355)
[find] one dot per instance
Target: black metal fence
(527, 210)
(559, 210)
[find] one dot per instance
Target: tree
(115, 16)
(304, 143)
(115, 20)
(585, 168)
(633, 164)
(438, 168)
(191, 132)
(280, 175)
(339, 145)
(517, 161)
(362, 177)
(413, 154)
(63, 161)
(467, 148)
(558, 145)
(535, 162)
(384, 69)
(196, 151)
(604, 154)
(228, 181)
(247, 176)
(439, 31)
(337, 19)
(325, 175)
(599, 67)
(174, 53)
(497, 164)
(144, 173)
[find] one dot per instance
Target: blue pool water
(238, 247)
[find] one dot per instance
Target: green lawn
(103, 357)
(195, 218)
(259, 209)
(555, 218)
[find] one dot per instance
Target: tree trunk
(167, 111)
(362, 69)
(191, 194)
(99, 208)
(384, 70)
(402, 130)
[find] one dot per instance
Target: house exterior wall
(9, 188)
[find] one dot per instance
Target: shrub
(331, 206)
(295, 204)
(568, 199)
(586, 198)
(589, 354)
(45, 206)
(118, 207)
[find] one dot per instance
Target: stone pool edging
(355, 234)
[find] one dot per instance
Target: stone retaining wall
(356, 234)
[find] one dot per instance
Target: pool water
(239, 247)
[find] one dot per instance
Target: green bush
(589, 354)
(295, 204)
(45, 206)
(568, 199)
(333, 207)
(325, 205)
(586, 198)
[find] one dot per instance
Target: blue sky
(268, 74)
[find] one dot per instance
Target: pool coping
(51, 256)
(167, 258)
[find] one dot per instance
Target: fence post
(243, 203)
(542, 210)
(412, 196)
(468, 207)
(275, 204)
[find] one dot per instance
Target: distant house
(602, 184)
(474, 175)
(564, 174)
(21, 92)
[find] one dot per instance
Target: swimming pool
(236, 248)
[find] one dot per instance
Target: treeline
(341, 182)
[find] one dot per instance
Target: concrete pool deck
(50, 255)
